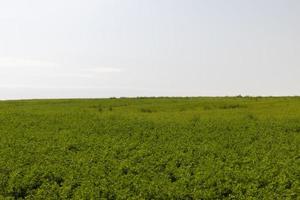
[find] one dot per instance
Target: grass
(150, 148)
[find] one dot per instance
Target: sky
(128, 48)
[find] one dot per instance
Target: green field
(150, 148)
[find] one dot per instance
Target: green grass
(146, 148)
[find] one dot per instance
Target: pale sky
(105, 48)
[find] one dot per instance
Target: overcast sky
(104, 48)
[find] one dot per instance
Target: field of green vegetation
(150, 148)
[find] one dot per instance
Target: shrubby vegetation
(146, 148)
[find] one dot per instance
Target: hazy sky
(103, 48)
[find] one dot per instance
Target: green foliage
(150, 148)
